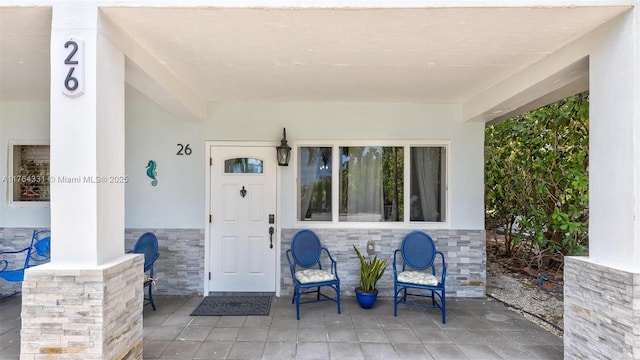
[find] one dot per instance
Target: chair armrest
(289, 254)
(292, 265)
(444, 266)
(334, 264)
(395, 257)
(14, 251)
(4, 263)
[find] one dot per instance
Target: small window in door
(243, 166)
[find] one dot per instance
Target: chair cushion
(417, 277)
(313, 276)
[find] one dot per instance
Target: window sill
(370, 225)
(29, 204)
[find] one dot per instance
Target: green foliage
(536, 176)
(393, 181)
(370, 271)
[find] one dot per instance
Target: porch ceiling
(430, 55)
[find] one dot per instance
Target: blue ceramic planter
(366, 300)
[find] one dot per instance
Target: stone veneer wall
(601, 311)
(180, 268)
(83, 314)
(464, 251)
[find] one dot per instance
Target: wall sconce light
(283, 150)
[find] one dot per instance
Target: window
(28, 178)
(370, 182)
(314, 192)
(427, 183)
(243, 166)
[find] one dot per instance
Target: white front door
(243, 199)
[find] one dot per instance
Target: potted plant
(371, 271)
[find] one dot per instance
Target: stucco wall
(177, 204)
(21, 120)
(178, 199)
(349, 121)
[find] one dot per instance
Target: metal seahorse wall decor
(151, 172)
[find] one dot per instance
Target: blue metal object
(38, 252)
(542, 279)
(305, 253)
(147, 244)
(419, 254)
(151, 172)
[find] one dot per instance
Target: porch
(404, 74)
(475, 329)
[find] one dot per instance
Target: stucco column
(87, 140)
(614, 168)
(87, 302)
(602, 291)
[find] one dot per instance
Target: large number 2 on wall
(73, 67)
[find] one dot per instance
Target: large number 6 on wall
(73, 67)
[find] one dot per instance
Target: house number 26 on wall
(184, 150)
(73, 67)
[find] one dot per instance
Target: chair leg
(395, 301)
(10, 295)
(338, 297)
(444, 308)
(153, 304)
(296, 299)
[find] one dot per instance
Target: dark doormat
(233, 306)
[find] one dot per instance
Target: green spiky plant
(370, 271)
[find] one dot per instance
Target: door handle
(271, 231)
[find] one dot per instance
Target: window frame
(406, 223)
(10, 174)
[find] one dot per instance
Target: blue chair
(419, 272)
(305, 262)
(147, 244)
(38, 252)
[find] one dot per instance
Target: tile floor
(475, 329)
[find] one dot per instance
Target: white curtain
(309, 167)
(426, 162)
(365, 197)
